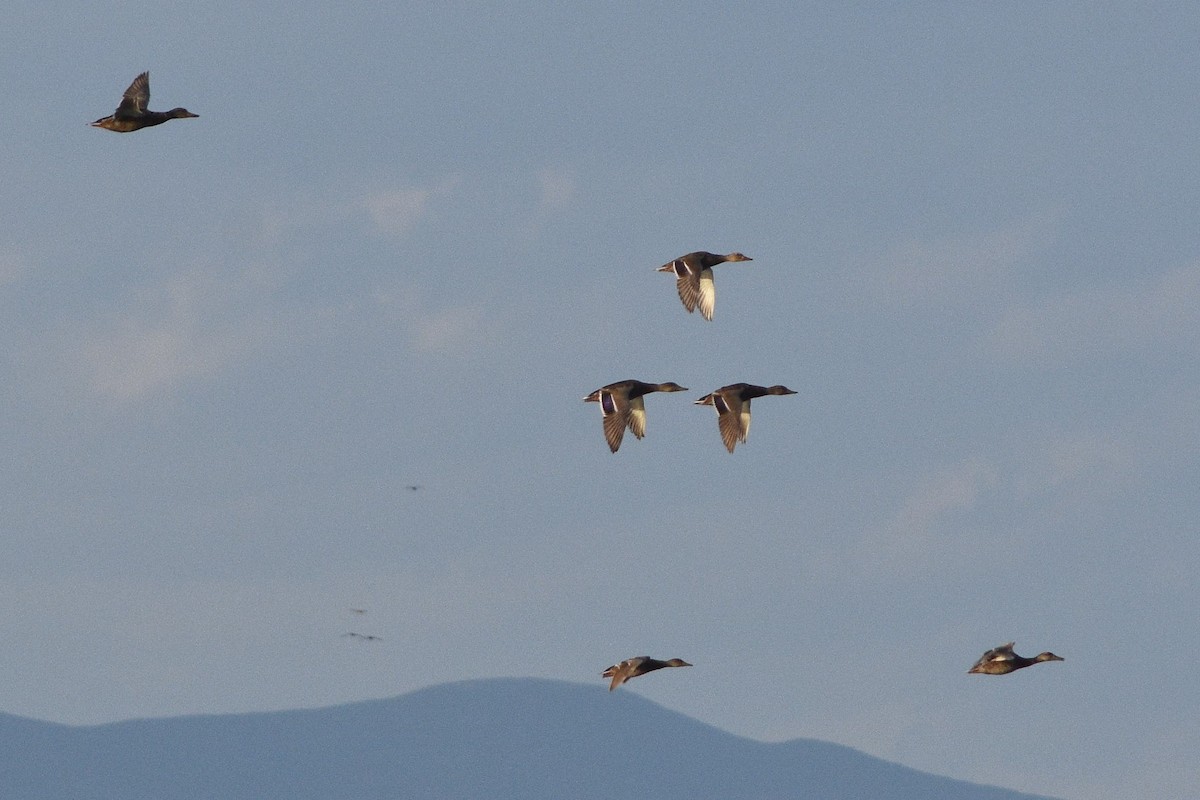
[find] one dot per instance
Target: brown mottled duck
(732, 403)
(131, 114)
(1002, 660)
(694, 279)
(633, 667)
(622, 405)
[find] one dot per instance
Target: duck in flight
(633, 667)
(622, 406)
(1002, 660)
(131, 114)
(694, 279)
(732, 403)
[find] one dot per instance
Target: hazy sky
(402, 242)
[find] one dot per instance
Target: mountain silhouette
(500, 739)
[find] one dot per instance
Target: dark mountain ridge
(523, 739)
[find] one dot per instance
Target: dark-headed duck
(633, 667)
(732, 403)
(694, 279)
(1002, 660)
(622, 405)
(131, 114)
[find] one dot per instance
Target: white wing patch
(637, 417)
(708, 294)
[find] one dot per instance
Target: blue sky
(401, 243)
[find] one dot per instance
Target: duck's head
(737, 257)
(180, 113)
(678, 662)
(1048, 656)
(779, 389)
(671, 386)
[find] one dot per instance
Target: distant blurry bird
(633, 667)
(131, 114)
(694, 279)
(358, 611)
(363, 636)
(413, 487)
(622, 406)
(1002, 660)
(732, 403)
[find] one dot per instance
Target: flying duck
(732, 403)
(1002, 660)
(694, 279)
(131, 114)
(633, 667)
(622, 405)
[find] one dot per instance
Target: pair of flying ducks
(997, 661)
(622, 406)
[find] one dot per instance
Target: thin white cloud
(1161, 313)
(392, 211)
(395, 212)
(398, 210)
(185, 329)
(951, 490)
(1057, 463)
(557, 186)
(12, 266)
(203, 320)
(957, 270)
(947, 519)
(195, 327)
(921, 527)
(450, 330)
(557, 190)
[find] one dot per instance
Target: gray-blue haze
(401, 243)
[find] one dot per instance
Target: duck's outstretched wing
(1002, 653)
(733, 419)
(136, 97)
(637, 416)
(706, 292)
(623, 671)
(687, 283)
(997, 655)
(687, 280)
(614, 428)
